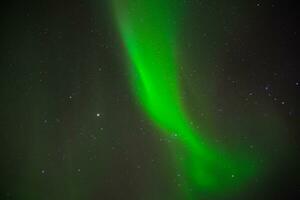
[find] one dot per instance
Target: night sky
(167, 100)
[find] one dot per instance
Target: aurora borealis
(152, 100)
(150, 38)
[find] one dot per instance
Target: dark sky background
(71, 128)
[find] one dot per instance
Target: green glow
(149, 32)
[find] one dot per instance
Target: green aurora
(150, 33)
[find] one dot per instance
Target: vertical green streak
(149, 31)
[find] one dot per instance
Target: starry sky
(77, 122)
